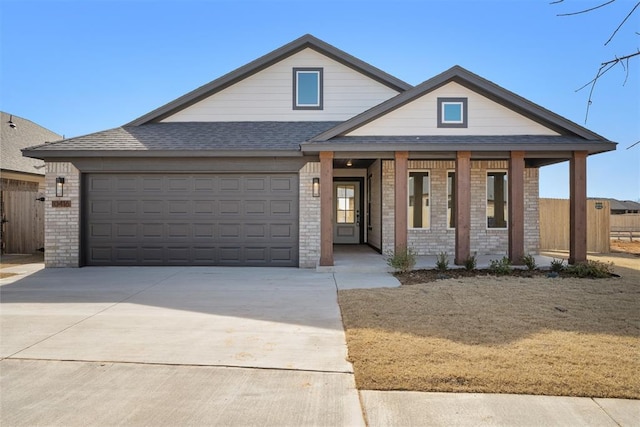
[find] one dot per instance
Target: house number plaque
(61, 203)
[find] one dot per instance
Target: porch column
(326, 208)
(401, 200)
(516, 207)
(578, 207)
(463, 207)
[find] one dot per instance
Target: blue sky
(81, 66)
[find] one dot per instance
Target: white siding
(267, 95)
(485, 117)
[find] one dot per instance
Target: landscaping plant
(442, 263)
(402, 260)
(500, 267)
(530, 262)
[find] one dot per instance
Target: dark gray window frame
(319, 70)
(442, 124)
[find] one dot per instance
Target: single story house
(21, 185)
(306, 147)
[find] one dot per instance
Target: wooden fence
(625, 226)
(554, 225)
(23, 231)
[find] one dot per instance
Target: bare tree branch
(608, 65)
(604, 67)
(622, 23)
(586, 10)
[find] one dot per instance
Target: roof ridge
(244, 71)
(472, 82)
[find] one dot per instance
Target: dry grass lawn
(573, 337)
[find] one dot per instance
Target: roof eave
(590, 147)
(67, 154)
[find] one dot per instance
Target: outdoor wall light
(11, 124)
(59, 186)
(316, 187)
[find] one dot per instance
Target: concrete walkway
(218, 346)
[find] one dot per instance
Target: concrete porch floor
(364, 259)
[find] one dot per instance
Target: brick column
(326, 208)
(401, 199)
(463, 207)
(578, 207)
(516, 207)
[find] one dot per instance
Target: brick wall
(531, 211)
(309, 234)
(62, 224)
(374, 233)
(388, 213)
(438, 238)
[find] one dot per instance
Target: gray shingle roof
(202, 137)
(12, 140)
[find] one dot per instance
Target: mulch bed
(431, 275)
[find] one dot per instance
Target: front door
(346, 212)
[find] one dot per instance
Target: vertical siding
(554, 225)
(485, 117)
(267, 95)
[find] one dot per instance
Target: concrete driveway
(169, 346)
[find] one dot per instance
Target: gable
(267, 95)
(419, 117)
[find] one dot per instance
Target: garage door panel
(127, 185)
(126, 231)
(191, 219)
(100, 231)
(152, 207)
(228, 184)
(282, 208)
(151, 184)
(204, 231)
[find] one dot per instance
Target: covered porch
(461, 239)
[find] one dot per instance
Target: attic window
(452, 112)
(307, 88)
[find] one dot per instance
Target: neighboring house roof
(620, 205)
(477, 84)
(304, 42)
(13, 139)
(189, 139)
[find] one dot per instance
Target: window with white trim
(497, 212)
(419, 207)
(452, 112)
(307, 89)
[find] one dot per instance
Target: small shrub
(442, 263)
(557, 265)
(590, 269)
(470, 263)
(500, 267)
(530, 262)
(402, 260)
